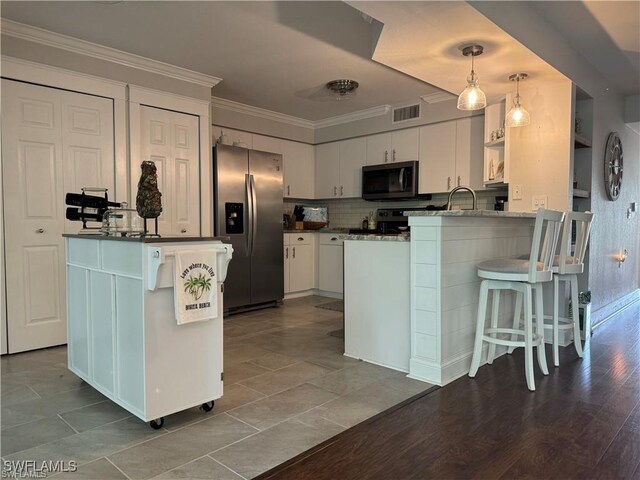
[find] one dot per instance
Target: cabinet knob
(341, 190)
(40, 230)
(286, 252)
(294, 252)
(448, 183)
(335, 191)
(300, 239)
(458, 180)
(288, 190)
(386, 156)
(333, 239)
(184, 230)
(394, 155)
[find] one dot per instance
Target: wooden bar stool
(523, 276)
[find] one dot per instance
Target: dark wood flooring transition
(583, 421)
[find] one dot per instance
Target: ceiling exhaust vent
(404, 114)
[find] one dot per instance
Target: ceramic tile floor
(287, 388)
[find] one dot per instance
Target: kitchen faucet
(462, 187)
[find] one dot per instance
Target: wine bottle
(92, 201)
(89, 214)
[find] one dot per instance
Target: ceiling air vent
(403, 114)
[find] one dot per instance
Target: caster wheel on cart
(157, 423)
(207, 407)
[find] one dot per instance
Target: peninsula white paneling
(445, 252)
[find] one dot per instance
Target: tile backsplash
(349, 212)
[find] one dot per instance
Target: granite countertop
(374, 237)
(146, 239)
(322, 230)
(468, 213)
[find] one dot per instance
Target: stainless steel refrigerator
(248, 209)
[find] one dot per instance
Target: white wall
(263, 126)
(431, 113)
(56, 57)
(540, 153)
(610, 285)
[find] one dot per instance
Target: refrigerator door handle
(254, 213)
(249, 216)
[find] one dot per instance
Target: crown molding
(354, 116)
(224, 104)
(71, 44)
(437, 97)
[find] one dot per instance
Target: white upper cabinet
(267, 144)
(339, 168)
(404, 145)
(437, 168)
(470, 152)
(398, 146)
(352, 155)
(451, 154)
(299, 169)
(327, 170)
(378, 149)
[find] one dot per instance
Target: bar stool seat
(525, 277)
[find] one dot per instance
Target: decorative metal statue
(149, 198)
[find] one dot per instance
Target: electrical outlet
(517, 192)
(538, 201)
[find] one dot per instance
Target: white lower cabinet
(330, 263)
(299, 262)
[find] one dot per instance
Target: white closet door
(87, 142)
(171, 141)
(186, 178)
(42, 158)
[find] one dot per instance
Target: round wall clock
(613, 166)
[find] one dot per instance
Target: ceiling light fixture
(472, 97)
(343, 88)
(517, 116)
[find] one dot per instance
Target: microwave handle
(402, 179)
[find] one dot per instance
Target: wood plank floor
(583, 421)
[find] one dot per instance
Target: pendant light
(517, 116)
(343, 88)
(472, 98)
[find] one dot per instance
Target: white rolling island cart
(123, 335)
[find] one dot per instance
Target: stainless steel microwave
(390, 181)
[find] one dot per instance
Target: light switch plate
(517, 192)
(538, 201)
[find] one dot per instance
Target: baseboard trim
(598, 317)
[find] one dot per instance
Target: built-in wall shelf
(499, 143)
(498, 182)
(577, 193)
(581, 142)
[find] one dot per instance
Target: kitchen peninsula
(412, 305)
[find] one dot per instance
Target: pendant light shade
(517, 116)
(472, 97)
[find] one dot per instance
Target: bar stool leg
(482, 311)
(495, 306)
(528, 338)
(542, 356)
(575, 315)
(516, 320)
(556, 302)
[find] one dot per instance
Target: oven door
(390, 181)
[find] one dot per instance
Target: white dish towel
(195, 285)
